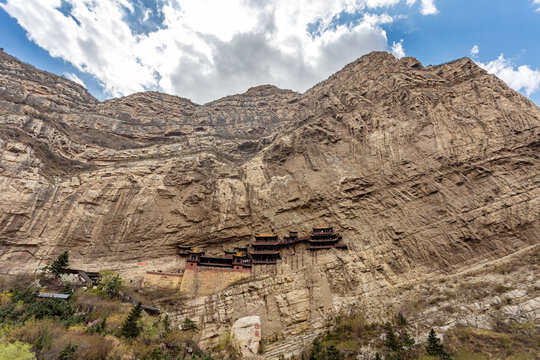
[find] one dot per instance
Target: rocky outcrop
(246, 334)
(424, 170)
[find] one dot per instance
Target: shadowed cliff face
(421, 168)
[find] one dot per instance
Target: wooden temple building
(237, 260)
(324, 238)
(264, 250)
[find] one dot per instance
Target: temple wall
(163, 280)
(204, 281)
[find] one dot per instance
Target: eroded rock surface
(246, 335)
(424, 170)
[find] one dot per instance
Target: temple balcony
(264, 262)
(323, 240)
(265, 242)
(321, 247)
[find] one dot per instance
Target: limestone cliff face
(422, 169)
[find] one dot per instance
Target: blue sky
(206, 49)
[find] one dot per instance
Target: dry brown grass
(494, 345)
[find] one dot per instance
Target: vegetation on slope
(351, 337)
(91, 324)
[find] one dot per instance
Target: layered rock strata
(424, 170)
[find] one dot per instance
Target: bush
(38, 332)
(68, 353)
(111, 283)
(54, 309)
(98, 328)
(16, 351)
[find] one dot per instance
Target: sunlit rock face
(423, 170)
(246, 335)
(418, 167)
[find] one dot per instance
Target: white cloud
(397, 49)
(475, 50)
(73, 77)
(537, 2)
(205, 49)
(518, 78)
(427, 6)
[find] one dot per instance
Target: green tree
(316, 350)
(391, 341)
(407, 341)
(408, 345)
(400, 320)
(378, 356)
(54, 309)
(68, 353)
(130, 328)
(435, 348)
(166, 324)
(332, 353)
(59, 266)
(16, 351)
(188, 325)
(157, 354)
(111, 283)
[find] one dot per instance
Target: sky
(206, 49)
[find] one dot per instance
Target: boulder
(246, 333)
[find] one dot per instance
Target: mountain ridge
(257, 165)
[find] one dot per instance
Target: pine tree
(157, 354)
(435, 348)
(391, 341)
(166, 324)
(130, 328)
(188, 325)
(68, 353)
(407, 341)
(59, 266)
(316, 350)
(400, 320)
(332, 353)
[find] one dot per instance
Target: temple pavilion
(265, 249)
(324, 238)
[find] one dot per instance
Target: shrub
(26, 295)
(53, 308)
(111, 283)
(68, 352)
(16, 351)
(38, 332)
(6, 299)
(98, 328)
(94, 347)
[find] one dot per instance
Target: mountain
(424, 170)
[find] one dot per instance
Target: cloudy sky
(206, 49)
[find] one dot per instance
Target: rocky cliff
(424, 170)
